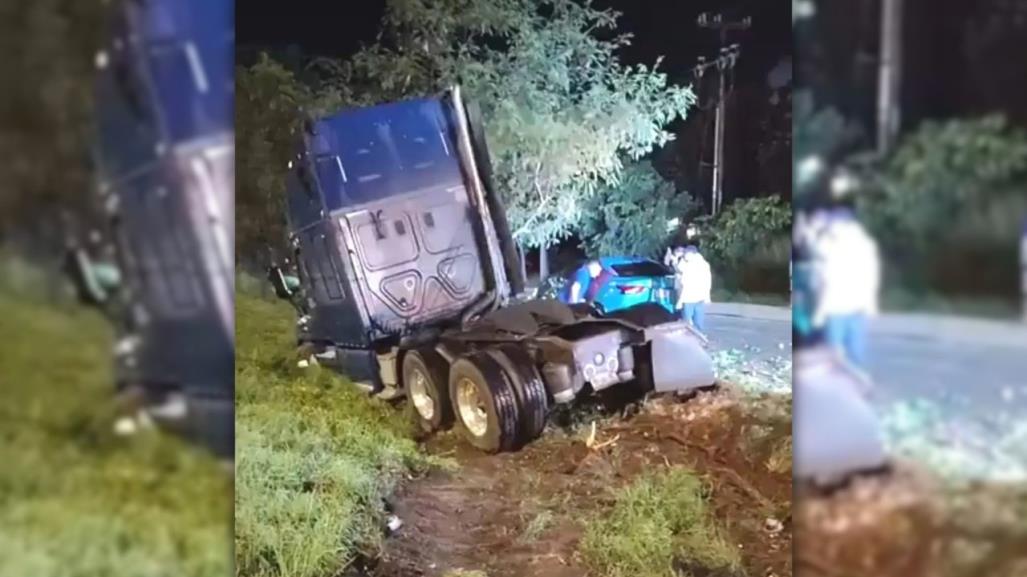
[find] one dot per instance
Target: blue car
(633, 281)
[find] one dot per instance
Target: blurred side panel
(116, 287)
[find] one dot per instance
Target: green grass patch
(538, 525)
(724, 295)
(75, 500)
(314, 456)
(660, 525)
(898, 299)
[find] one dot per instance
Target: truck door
(417, 258)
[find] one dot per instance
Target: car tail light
(630, 289)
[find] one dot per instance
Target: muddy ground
(523, 513)
(908, 523)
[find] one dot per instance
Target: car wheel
(425, 381)
(485, 403)
(529, 386)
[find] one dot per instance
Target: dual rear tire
(496, 396)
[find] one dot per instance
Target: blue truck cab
(409, 278)
(165, 151)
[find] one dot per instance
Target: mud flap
(837, 433)
(679, 361)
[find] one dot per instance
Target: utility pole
(726, 62)
(889, 75)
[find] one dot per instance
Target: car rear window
(642, 268)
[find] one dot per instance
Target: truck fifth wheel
(407, 278)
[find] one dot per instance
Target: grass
(75, 500)
(660, 525)
(898, 299)
(723, 295)
(314, 457)
(537, 526)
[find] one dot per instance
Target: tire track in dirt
(522, 514)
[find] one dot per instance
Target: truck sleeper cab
(408, 269)
(166, 156)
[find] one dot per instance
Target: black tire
(432, 367)
(644, 380)
(498, 402)
(530, 388)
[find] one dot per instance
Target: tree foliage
(948, 175)
(270, 107)
(46, 106)
(631, 217)
(819, 131)
(560, 110)
(747, 229)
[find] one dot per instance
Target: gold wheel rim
(423, 402)
(471, 407)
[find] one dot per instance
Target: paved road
(762, 332)
(979, 366)
(976, 365)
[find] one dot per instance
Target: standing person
(847, 279)
(694, 281)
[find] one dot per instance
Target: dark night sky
(661, 28)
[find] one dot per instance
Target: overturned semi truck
(165, 150)
(407, 278)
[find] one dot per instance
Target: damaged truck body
(409, 281)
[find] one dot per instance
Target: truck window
(190, 105)
(332, 176)
(386, 151)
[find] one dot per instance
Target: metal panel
(680, 363)
(413, 271)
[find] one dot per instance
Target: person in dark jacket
(587, 282)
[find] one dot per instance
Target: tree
(943, 175)
(46, 106)
(632, 217)
(748, 230)
(561, 111)
(947, 206)
(270, 107)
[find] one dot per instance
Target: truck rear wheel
(529, 386)
(485, 403)
(424, 379)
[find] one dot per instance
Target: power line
(725, 63)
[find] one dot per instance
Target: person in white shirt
(847, 280)
(694, 282)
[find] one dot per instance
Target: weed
(537, 526)
(75, 500)
(780, 459)
(315, 457)
(658, 521)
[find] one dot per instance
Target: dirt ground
(523, 513)
(908, 524)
